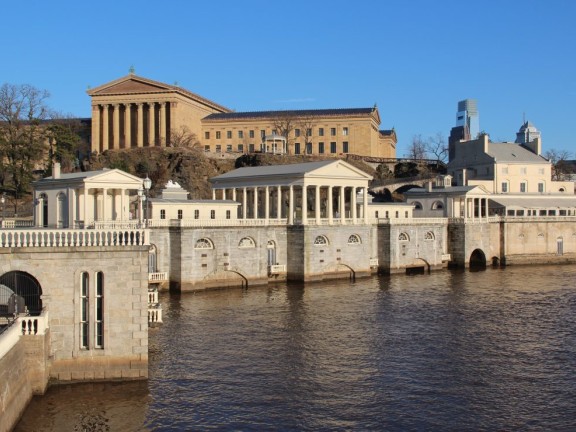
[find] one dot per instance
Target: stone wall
(124, 352)
(22, 374)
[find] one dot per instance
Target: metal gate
(25, 286)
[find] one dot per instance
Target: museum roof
(294, 113)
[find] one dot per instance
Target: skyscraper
(467, 125)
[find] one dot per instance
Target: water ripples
(493, 350)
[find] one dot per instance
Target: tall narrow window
(99, 310)
(84, 310)
(180, 214)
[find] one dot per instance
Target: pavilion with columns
(320, 193)
(79, 200)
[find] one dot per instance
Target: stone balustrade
(158, 277)
(277, 269)
(22, 326)
(43, 237)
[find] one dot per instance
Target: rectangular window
(387, 214)
(296, 133)
(217, 134)
(99, 324)
(320, 131)
(345, 131)
(218, 148)
(345, 147)
(397, 215)
(206, 148)
(332, 147)
(308, 132)
(228, 148)
(240, 134)
(309, 148)
(251, 134)
(212, 214)
(251, 148)
(376, 214)
(84, 311)
(228, 134)
(320, 148)
(162, 214)
(504, 187)
(196, 214)
(241, 148)
(262, 133)
(541, 187)
(406, 214)
(180, 214)
(228, 214)
(296, 148)
(522, 187)
(332, 131)
(207, 135)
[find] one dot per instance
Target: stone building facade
(133, 112)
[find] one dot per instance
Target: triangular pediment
(339, 169)
(130, 84)
(114, 177)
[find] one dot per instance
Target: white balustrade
(158, 277)
(41, 237)
(277, 269)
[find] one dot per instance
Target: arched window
(562, 189)
(246, 242)
(43, 210)
(152, 259)
(403, 237)
(99, 321)
(84, 310)
(437, 205)
(22, 291)
(320, 240)
(204, 243)
(354, 239)
(417, 205)
(429, 236)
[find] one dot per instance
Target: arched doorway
(477, 260)
(26, 286)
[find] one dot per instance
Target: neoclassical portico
(131, 124)
(313, 193)
(78, 200)
(133, 112)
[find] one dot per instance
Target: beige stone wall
(125, 269)
(362, 136)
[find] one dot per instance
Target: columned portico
(112, 125)
(309, 196)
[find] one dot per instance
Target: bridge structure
(398, 185)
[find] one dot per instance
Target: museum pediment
(130, 85)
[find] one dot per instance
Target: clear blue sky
(415, 59)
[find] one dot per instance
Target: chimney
(56, 170)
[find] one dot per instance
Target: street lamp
(147, 185)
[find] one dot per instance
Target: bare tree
(436, 146)
(22, 135)
(306, 124)
(560, 166)
(284, 124)
(183, 137)
(417, 149)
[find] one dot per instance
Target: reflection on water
(493, 350)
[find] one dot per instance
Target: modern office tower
(467, 125)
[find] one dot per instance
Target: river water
(449, 351)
